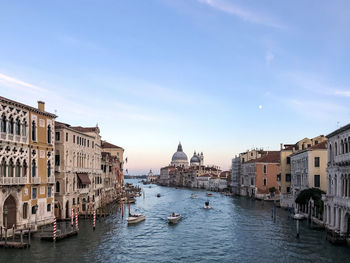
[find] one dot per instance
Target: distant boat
(174, 218)
(209, 194)
(135, 218)
(158, 195)
(206, 205)
(193, 196)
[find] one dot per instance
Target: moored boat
(158, 195)
(209, 194)
(135, 218)
(174, 218)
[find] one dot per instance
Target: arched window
(11, 166)
(57, 187)
(49, 134)
(341, 147)
(18, 169)
(3, 123)
(24, 128)
(33, 131)
(18, 127)
(24, 170)
(33, 168)
(3, 168)
(346, 146)
(11, 125)
(336, 149)
(48, 169)
(330, 158)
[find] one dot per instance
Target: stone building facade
(26, 164)
(337, 200)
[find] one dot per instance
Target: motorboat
(174, 218)
(135, 218)
(193, 196)
(209, 194)
(158, 195)
(206, 205)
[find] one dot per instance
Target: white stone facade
(337, 199)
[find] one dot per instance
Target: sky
(221, 76)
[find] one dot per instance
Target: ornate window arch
(10, 124)
(18, 127)
(3, 167)
(33, 168)
(33, 131)
(18, 169)
(3, 123)
(49, 134)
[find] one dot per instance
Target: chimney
(41, 105)
(281, 146)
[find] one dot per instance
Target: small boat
(158, 195)
(174, 218)
(135, 218)
(298, 216)
(209, 194)
(193, 196)
(206, 205)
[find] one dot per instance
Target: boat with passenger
(174, 218)
(206, 205)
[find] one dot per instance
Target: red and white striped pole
(72, 217)
(94, 220)
(76, 221)
(54, 229)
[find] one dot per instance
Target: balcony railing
(51, 180)
(13, 180)
(36, 180)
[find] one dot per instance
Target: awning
(84, 178)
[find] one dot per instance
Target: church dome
(179, 155)
(195, 159)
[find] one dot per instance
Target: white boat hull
(174, 219)
(136, 219)
(207, 207)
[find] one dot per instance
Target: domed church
(180, 158)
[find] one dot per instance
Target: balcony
(13, 180)
(36, 180)
(51, 180)
(84, 190)
(342, 158)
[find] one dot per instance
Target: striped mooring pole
(76, 221)
(72, 217)
(94, 220)
(54, 229)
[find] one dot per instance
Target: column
(341, 228)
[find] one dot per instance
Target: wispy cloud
(242, 13)
(7, 80)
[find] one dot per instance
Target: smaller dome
(195, 158)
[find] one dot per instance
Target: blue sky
(220, 76)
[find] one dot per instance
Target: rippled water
(235, 230)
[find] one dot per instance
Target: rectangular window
(93, 143)
(102, 167)
(110, 168)
(251, 181)
(316, 142)
(57, 137)
(48, 208)
(317, 161)
(73, 201)
(265, 181)
(25, 210)
(288, 160)
(73, 138)
(34, 193)
(265, 169)
(66, 136)
(57, 159)
(49, 189)
(77, 139)
(317, 180)
(288, 189)
(288, 177)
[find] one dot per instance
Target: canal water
(234, 230)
